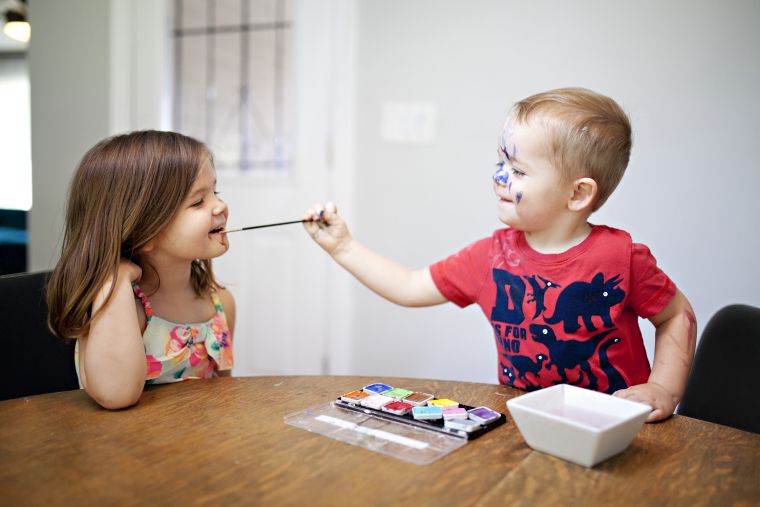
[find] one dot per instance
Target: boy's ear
(584, 194)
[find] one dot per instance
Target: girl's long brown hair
(126, 189)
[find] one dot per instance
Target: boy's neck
(558, 239)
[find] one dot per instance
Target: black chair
(37, 361)
(724, 383)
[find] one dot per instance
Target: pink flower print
(153, 367)
(199, 354)
(177, 339)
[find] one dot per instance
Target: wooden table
(223, 442)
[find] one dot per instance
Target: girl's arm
(112, 364)
(389, 279)
(675, 341)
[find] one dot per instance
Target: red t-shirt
(561, 318)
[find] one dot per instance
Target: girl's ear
(584, 194)
(148, 247)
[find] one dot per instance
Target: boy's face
(531, 195)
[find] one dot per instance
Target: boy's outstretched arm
(675, 341)
(391, 280)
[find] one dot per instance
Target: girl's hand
(129, 270)
(127, 273)
(652, 394)
(329, 230)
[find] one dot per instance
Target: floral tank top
(175, 352)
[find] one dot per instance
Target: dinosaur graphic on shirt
(615, 379)
(509, 372)
(539, 291)
(583, 300)
(522, 365)
(569, 354)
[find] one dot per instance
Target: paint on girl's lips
(483, 415)
(397, 407)
(418, 399)
(377, 388)
(354, 396)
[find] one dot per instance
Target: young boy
(563, 295)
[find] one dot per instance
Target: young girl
(134, 283)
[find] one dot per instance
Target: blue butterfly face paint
(501, 176)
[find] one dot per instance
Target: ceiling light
(16, 26)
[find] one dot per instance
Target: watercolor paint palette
(367, 400)
(391, 428)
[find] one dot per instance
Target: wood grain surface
(223, 442)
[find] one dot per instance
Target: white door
(278, 275)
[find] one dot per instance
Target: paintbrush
(318, 217)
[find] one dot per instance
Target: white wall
(96, 68)
(68, 62)
(687, 72)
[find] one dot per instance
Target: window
(15, 131)
(231, 80)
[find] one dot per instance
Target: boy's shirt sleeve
(651, 288)
(460, 277)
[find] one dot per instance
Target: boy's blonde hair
(589, 135)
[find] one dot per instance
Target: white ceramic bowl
(579, 425)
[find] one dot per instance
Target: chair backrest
(724, 383)
(37, 361)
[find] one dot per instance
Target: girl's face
(531, 195)
(194, 232)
